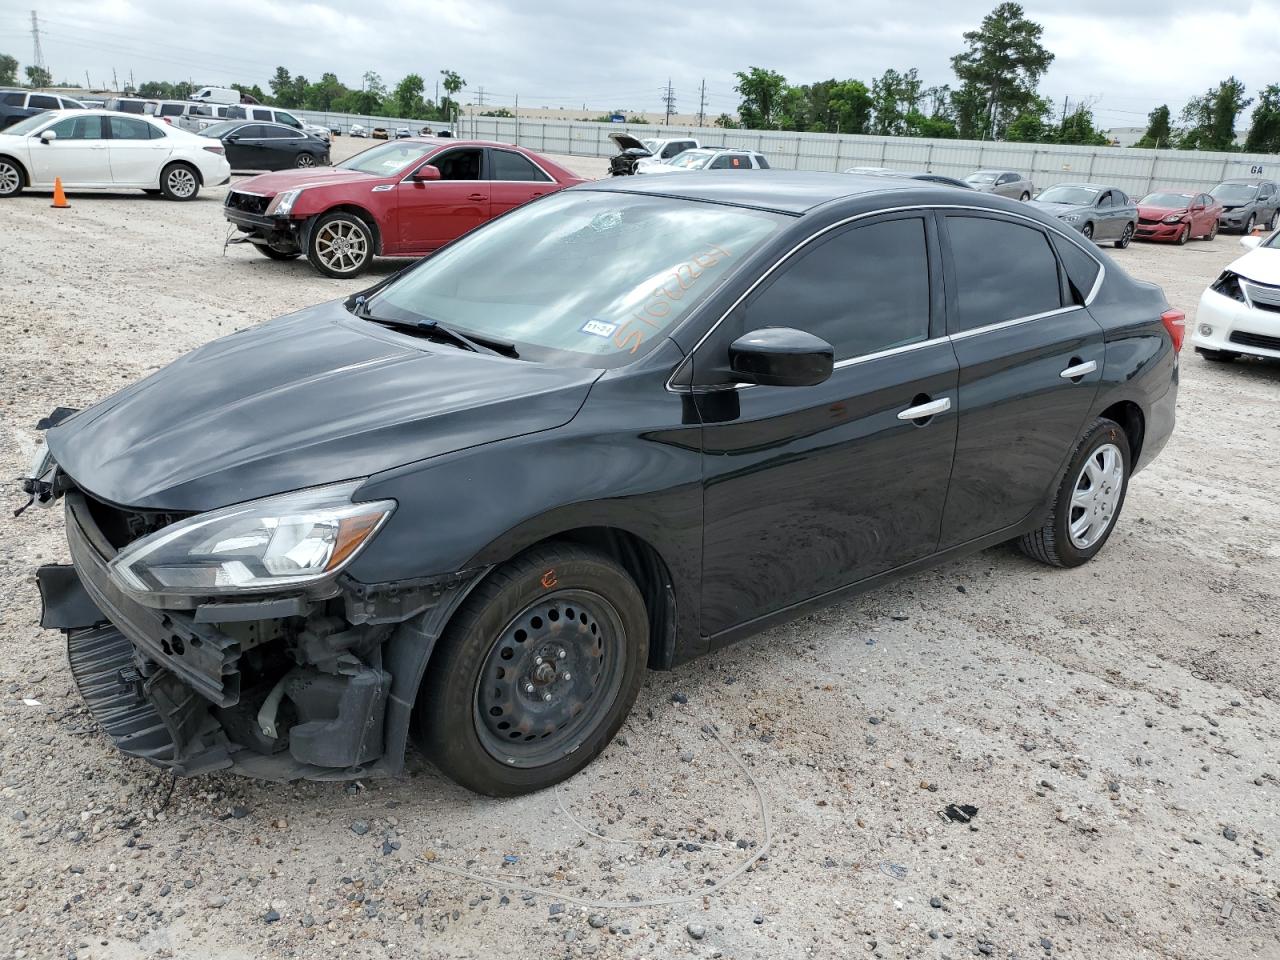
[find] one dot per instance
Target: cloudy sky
(570, 52)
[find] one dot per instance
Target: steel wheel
(10, 178)
(341, 245)
(1096, 496)
(304, 160)
(550, 677)
(181, 183)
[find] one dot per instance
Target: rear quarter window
(1004, 271)
(1082, 269)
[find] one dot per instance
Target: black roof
(786, 191)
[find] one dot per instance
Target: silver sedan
(1007, 183)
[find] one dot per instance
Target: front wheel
(274, 254)
(1125, 237)
(1025, 196)
(179, 182)
(1087, 230)
(12, 179)
(1184, 234)
(1088, 500)
(535, 673)
(1249, 224)
(1271, 220)
(340, 245)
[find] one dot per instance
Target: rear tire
(340, 245)
(1089, 499)
(304, 160)
(1213, 232)
(12, 178)
(179, 181)
(1218, 356)
(521, 695)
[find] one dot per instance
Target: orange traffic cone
(59, 198)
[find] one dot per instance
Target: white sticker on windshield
(598, 328)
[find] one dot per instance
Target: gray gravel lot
(1116, 725)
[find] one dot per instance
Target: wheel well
(1129, 415)
(184, 163)
(370, 221)
(26, 177)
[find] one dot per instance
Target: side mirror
(48, 136)
(1250, 242)
(781, 357)
(234, 138)
(426, 172)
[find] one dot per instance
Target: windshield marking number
(672, 289)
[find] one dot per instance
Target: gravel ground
(1115, 725)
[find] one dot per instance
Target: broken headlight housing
(266, 545)
(282, 203)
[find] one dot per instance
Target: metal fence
(1134, 170)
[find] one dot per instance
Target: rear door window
(507, 165)
(127, 128)
(260, 114)
(41, 102)
(1003, 270)
(837, 289)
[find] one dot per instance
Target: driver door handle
(1079, 370)
(476, 196)
(926, 410)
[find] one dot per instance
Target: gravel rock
(360, 827)
(696, 930)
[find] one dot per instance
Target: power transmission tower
(480, 96)
(37, 57)
(669, 97)
(702, 104)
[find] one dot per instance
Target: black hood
(312, 398)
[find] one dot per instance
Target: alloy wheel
(1096, 495)
(305, 160)
(1088, 231)
(181, 182)
(10, 179)
(342, 245)
(550, 678)
(1126, 236)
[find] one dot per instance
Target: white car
(357, 131)
(102, 149)
(707, 158)
(1240, 311)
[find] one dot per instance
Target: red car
(1177, 216)
(403, 198)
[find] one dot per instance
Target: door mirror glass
(427, 172)
(781, 357)
(1250, 241)
(48, 136)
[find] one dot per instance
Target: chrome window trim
(1097, 284)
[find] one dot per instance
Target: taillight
(217, 150)
(1175, 321)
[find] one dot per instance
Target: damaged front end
(232, 639)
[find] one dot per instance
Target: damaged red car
(1176, 216)
(404, 198)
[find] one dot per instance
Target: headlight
(265, 545)
(1070, 218)
(1174, 218)
(41, 463)
(282, 203)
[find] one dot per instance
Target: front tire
(273, 254)
(1087, 230)
(1089, 499)
(535, 673)
(1025, 196)
(340, 245)
(1249, 224)
(12, 178)
(1125, 237)
(179, 181)
(1184, 234)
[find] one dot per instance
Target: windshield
(650, 145)
(586, 279)
(691, 160)
(220, 130)
(387, 159)
(982, 176)
(30, 124)
(1174, 201)
(1067, 194)
(1234, 192)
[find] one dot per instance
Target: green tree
(1033, 124)
(504, 112)
(1159, 133)
(761, 91)
(725, 122)
(851, 107)
(1264, 133)
(324, 93)
(999, 72)
(281, 84)
(453, 84)
(407, 98)
(894, 95)
(38, 77)
(254, 91)
(1077, 128)
(8, 70)
(1211, 119)
(940, 128)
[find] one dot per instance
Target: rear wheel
(12, 179)
(304, 160)
(178, 181)
(340, 245)
(1125, 237)
(535, 673)
(1213, 231)
(1088, 500)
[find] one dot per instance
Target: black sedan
(616, 428)
(267, 146)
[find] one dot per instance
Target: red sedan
(1178, 215)
(403, 198)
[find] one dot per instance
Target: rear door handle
(1078, 370)
(925, 410)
